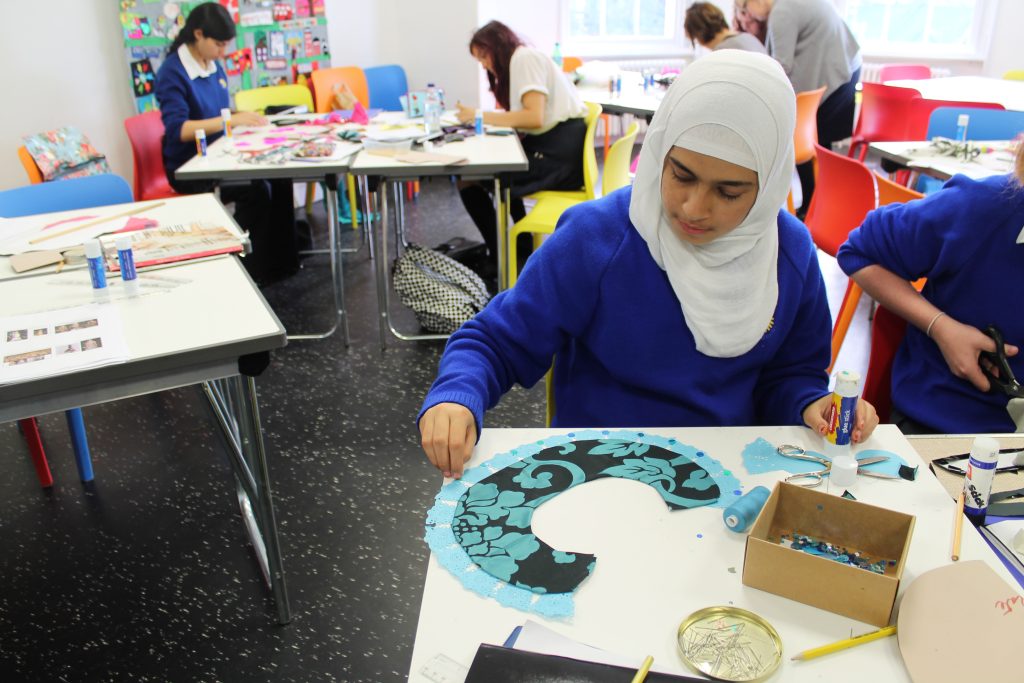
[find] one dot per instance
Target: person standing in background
(705, 25)
(815, 48)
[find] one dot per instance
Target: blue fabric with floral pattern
(480, 526)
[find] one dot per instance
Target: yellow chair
(1014, 75)
(258, 99)
(543, 217)
(589, 190)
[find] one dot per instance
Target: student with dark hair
(538, 100)
(192, 89)
(705, 25)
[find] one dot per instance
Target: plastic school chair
(921, 112)
(805, 135)
(983, 124)
(387, 84)
(324, 82)
(845, 193)
(884, 111)
(590, 172)
(570, 64)
(1013, 75)
(62, 195)
(146, 134)
(904, 72)
(30, 166)
(543, 217)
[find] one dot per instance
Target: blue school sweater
(964, 240)
(181, 100)
(594, 296)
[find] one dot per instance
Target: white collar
(192, 67)
(1020, 237)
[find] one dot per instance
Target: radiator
(869, 72)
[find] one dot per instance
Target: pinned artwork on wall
(277, 46)
(318, 8)
(302, 8)
(260, 48)
(238, 62)
(143, 79)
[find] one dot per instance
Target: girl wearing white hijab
(689, 299)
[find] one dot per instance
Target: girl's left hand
(817, 413)
(463, 113)
(248, 118)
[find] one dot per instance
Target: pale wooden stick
(137, 209)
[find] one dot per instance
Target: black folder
(494, 664)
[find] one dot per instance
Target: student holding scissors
(688, 299)
(967, 239)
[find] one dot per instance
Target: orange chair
(884, 112)
(845, 193)
(806, 133)
(325, 80)
(894, 193)
(887, 331)
(570, 64)
(35, 176)
(904, 72)
(146, 133)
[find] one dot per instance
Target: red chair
(884, 111)
(904, 72)
(921, 111)
(887, 331)
(845, 193)
(146, 135)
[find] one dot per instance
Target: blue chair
(63, 195)
(984, 124)
(386, 84)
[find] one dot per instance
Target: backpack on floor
(442, 292)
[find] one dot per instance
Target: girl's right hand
(248, 118)
(448, 435)
(961, 345)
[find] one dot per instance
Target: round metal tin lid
(729, 644)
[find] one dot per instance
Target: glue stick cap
(93, 249)
(985, 449)
(225, 113)
(123, 242)
(847, 383)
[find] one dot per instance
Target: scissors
(1002, 379)
(814, 479)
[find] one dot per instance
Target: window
(955, 29)
(621, 27)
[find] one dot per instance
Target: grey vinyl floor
(146, 574)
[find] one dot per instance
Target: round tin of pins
(729, 644)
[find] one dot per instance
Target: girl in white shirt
(538, 100)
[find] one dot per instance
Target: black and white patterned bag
(442, 292)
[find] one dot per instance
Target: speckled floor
(146, 575)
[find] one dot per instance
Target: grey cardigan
(813, 44)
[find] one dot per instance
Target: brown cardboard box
(851, 591)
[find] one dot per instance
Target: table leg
(234, 404)
(502, 209)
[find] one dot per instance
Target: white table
(632, 100)
(223, 162)
(1010, 94)
(655, 567)
(487, 157)
(201, 322)
(920, 156)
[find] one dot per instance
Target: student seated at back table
(192, 88)
(689, 299)
(967, 239)
(539, 101)
(705, 24)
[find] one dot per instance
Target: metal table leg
(502, 210)
(234, 405)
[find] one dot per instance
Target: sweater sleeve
(514, 339)
(783, 30)
(796, 375)
(172, 95)
(528, 72)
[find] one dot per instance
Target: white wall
(1005, 52)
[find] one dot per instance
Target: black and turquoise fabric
(492, 520)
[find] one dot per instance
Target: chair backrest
(324, 81)
(386, 85)
(921, 111)
(883, 112)
(570, 64)
(589, 155)
(806, 132)
(1014, 75)
(616, 165)
(258, 99)
(65, 195)
(31, 168)
(887, 331)
(146, 134)
(983, 124)
(894, 193)
(844, 194)
(904, 72)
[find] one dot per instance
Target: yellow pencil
(843, 644)
(137, 209)
(958, 526)
(641, 673)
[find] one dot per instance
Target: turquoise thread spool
(741, 514)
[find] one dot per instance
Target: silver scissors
(813, 479)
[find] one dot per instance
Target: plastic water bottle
(478, 122)
(840, 429)
(961, 127)
(432, 111)
(556, 55)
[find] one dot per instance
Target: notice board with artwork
(277, 42)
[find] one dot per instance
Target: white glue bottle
(981, 469)
(842, 418)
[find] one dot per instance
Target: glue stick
(94, 256)
(126, 259)
(225, 117)
(842, 418)
(201, 142)
(981, 469)
(740, 515)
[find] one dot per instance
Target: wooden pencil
(134, 210)
(958, 527)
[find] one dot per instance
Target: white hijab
(737, 106)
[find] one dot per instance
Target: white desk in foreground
(655, 567)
